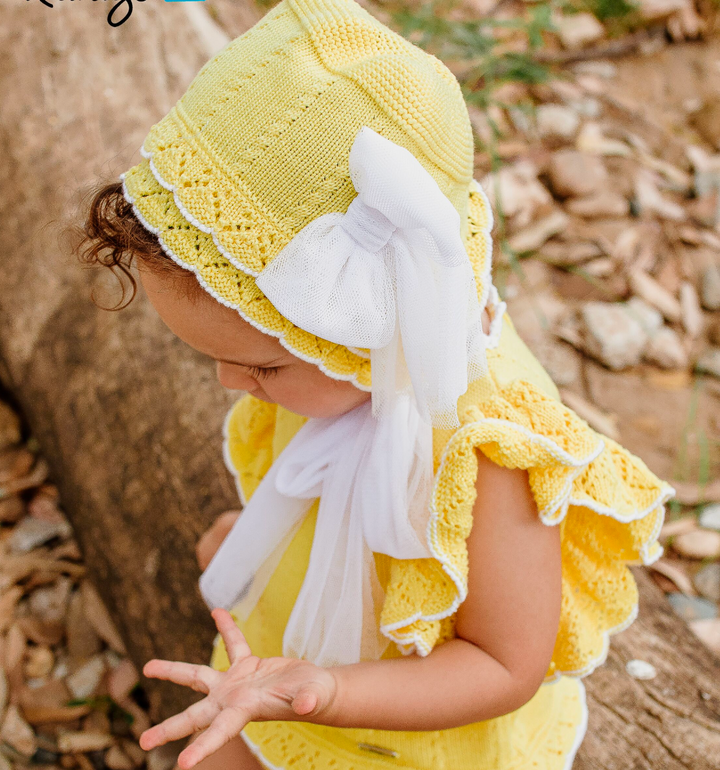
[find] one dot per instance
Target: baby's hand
(252, 689)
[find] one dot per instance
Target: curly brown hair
(112, 236)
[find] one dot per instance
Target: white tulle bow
(373, 483)
(390, 274)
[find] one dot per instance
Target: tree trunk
(130, 418)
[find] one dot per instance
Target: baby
(432, 549)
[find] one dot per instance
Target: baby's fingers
(235, 643)
(195, 718)
(200, 678)
(226, 725)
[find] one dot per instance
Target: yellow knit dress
(609, 508)
(255, 150)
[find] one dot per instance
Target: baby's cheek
(313, 394)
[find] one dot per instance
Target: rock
(141, 721)
(658, 296)
(709, 362)
(556, 120)
(82, 639)
(650, 200)
(707, 582)
(121, 680)
(579, 29)
(8, 603)
(692, 317)
(603, 267)
(576, 174)
(603, 204)
(710, 288)
(649, 318)
(9, 427)
(666, 350)
(692, 607)
(117, 759)
(134, 752)
(32, 532)
(612, 335)
(708, 631)
(655, 10)
(96, 722)
(516, 190)
(710, 517)
(597, 68)
(15, 463)
(50, 603)
(99, 617)
(16, 732)
(640, 669)
(12, 509)
(81, 742)
(591, 140)
(533, 237)
(706, 121)
(41, 631)
(678, 527)
(84, 682)
(714, 333)
(701, 544)
(565, 254)
(561, 362)
(39, 663)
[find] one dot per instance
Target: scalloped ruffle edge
(419, 632)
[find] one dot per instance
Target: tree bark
(130, 419)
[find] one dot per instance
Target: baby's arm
(505, 629)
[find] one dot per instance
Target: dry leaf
(676, 574)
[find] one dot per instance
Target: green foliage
(474, 47)
(608, 10)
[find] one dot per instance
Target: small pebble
(32, 532)
(640, 669)
(707, 582)
(692, 607)
(710, 517)
(700, 544)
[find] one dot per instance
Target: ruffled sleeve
(608, 504)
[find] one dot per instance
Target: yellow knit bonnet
(258, 147)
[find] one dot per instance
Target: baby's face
(247, 359)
